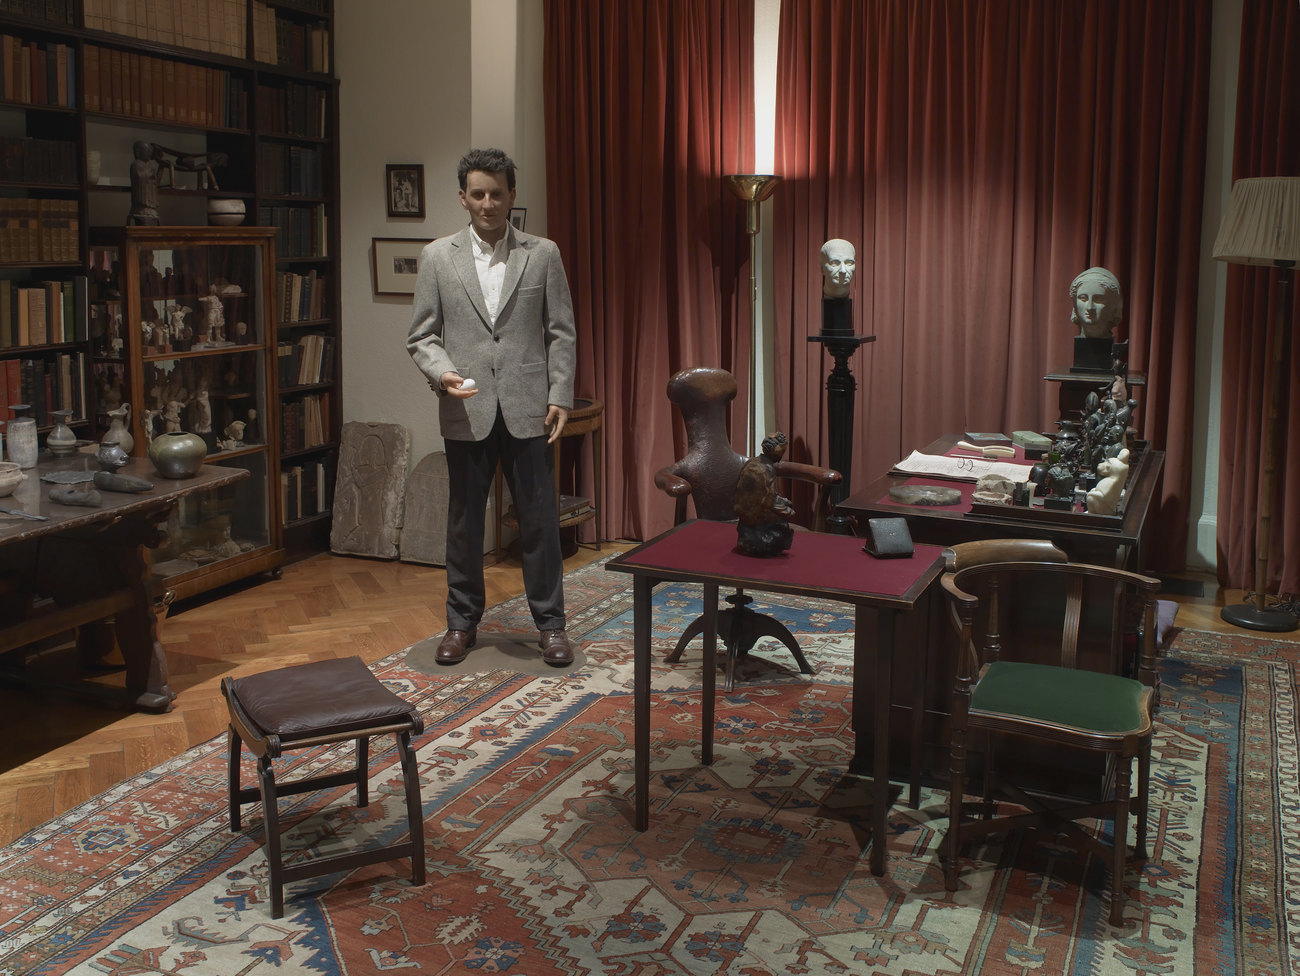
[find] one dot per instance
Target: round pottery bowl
(225, 213)
(11, 476)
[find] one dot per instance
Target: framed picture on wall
(405, 187)
(517, 215)
(396, 261)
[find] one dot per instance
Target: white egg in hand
(468, 384)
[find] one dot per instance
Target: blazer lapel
(515, 265)
(463, 261)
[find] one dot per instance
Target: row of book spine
(301, 232)
(217, 26)
(305, 422)
(45, 384)
(35, 73)
(293, 109)
(34, 230)
(309, 360)
(55, 11)
(290, 170)
(42, 313)
(24, 159)
(306, 489)
(300, 297)
(143, 87)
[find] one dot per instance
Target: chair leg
(956, 791)
(363, 771)
(1143, 805)
(271, 823)
(1119, 855)
(232, 773)
(414, 810)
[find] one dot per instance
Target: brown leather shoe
(455, 644)
(556, 649)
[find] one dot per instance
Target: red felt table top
(815, 561)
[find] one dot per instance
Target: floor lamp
(753, 189)
(1262, 227)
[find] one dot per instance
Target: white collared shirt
(491, 265)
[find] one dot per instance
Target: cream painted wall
(405, 96)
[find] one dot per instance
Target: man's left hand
(555, 420)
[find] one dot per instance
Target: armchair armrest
(676, 487)
(808, 472)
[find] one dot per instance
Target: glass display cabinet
(183, 339)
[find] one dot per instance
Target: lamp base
(1253, 618)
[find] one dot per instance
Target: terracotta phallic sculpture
(764, 527)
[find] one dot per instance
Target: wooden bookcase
(246, 83)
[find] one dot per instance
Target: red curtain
(1267, 143)
(980, 155)
(649, 105)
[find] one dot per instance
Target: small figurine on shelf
(182, 334)
(144, 187)
(234, 436)
(172, 416)
(214, 319)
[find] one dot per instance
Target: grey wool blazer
(523, 363)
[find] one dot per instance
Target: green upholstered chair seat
(1084, 700)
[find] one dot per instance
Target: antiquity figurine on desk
(764, 527)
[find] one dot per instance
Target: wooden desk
(83, 565)
(815, 565)
(1117, 543)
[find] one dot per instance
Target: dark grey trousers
(529, 468)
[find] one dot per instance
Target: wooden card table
(64, 567)
(832, 567)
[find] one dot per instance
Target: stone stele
(924, 495)
(424, 536)
(370, 494)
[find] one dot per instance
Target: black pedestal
(841, 389)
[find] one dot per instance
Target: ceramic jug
(61, 441)
(118, 430)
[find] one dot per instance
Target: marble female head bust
(1096, 303)
(839, 261)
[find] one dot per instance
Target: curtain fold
(1266, 143)
(980, 155)
(648, 107)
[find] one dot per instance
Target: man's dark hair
(486, 161)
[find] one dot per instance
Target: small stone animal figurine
(1104, 498)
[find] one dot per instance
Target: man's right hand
(453, 383)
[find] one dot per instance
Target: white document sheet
(960, 468)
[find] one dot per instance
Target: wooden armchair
(1044, 651)
(707, 475)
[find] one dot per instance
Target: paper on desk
(960, 468)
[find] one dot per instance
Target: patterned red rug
(753, 867)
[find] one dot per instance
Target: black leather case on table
(888, 537)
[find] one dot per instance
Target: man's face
(838, 264)
(488, 200)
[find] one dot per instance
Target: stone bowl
(11, 476)
(225, 213)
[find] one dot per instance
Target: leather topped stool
(317, 704)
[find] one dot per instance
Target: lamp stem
(754, 337)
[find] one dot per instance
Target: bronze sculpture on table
(764, 526)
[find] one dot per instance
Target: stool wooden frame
(269, 746)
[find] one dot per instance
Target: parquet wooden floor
(60, 751)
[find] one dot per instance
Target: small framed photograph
(405, 185)
(396, 263)
(517, 215)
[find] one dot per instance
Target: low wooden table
(78, 565)
(832, 567)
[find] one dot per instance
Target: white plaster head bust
(839, 261)
(1096, 303)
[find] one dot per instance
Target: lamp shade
(1262, 222)
(754, 187)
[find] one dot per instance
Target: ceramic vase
(178, 454)
(118, 431)
(23, 449)
(61, 441)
